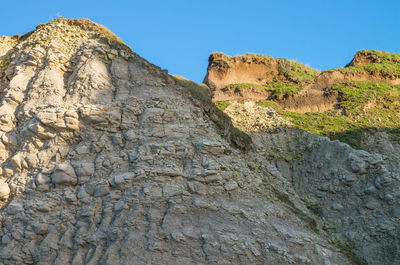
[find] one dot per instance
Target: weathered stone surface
(232, 185)
(83, 168)
(4, 191)
(351, 190)
(118, 164)
(64, 173)
(41, 179)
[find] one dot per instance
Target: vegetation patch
(385, 69)
(362, 106)
(382, 63)
(297, 72)
(276, 88)
(380, 55)
(222, 105)
(270, 104)
(223, 63)
(281, 88)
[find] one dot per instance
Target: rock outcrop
(254, 69)
(106, 159)
(353, 192)
(294, 86)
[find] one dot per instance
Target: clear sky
(179, 35)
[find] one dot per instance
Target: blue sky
(179, 35)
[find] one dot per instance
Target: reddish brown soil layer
(224, 70)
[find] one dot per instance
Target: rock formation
(295, 86)
(353, 192)
(107, 159)
(256, 70)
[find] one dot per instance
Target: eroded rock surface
(296, 87)
(106, 160)
(353, 193)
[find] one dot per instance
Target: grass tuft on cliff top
(383, 63)
(296, 72)
(380, 55)
(385, 69)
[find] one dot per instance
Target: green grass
(385, 69)
(222, 105)
(270, 104)
(246, 86)
(354, 96)
(277, 88)
(223, 122)
(288, 156)
(281, 88)
(380, 55)
(385, 64)
(362, 106)
(228, 61)
(296, 72)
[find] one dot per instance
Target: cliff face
(107, 159)
(350, 190)
(257, 70)
(295, 86)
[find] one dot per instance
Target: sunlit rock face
(106, 159)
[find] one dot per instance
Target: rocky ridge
(107, 159)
